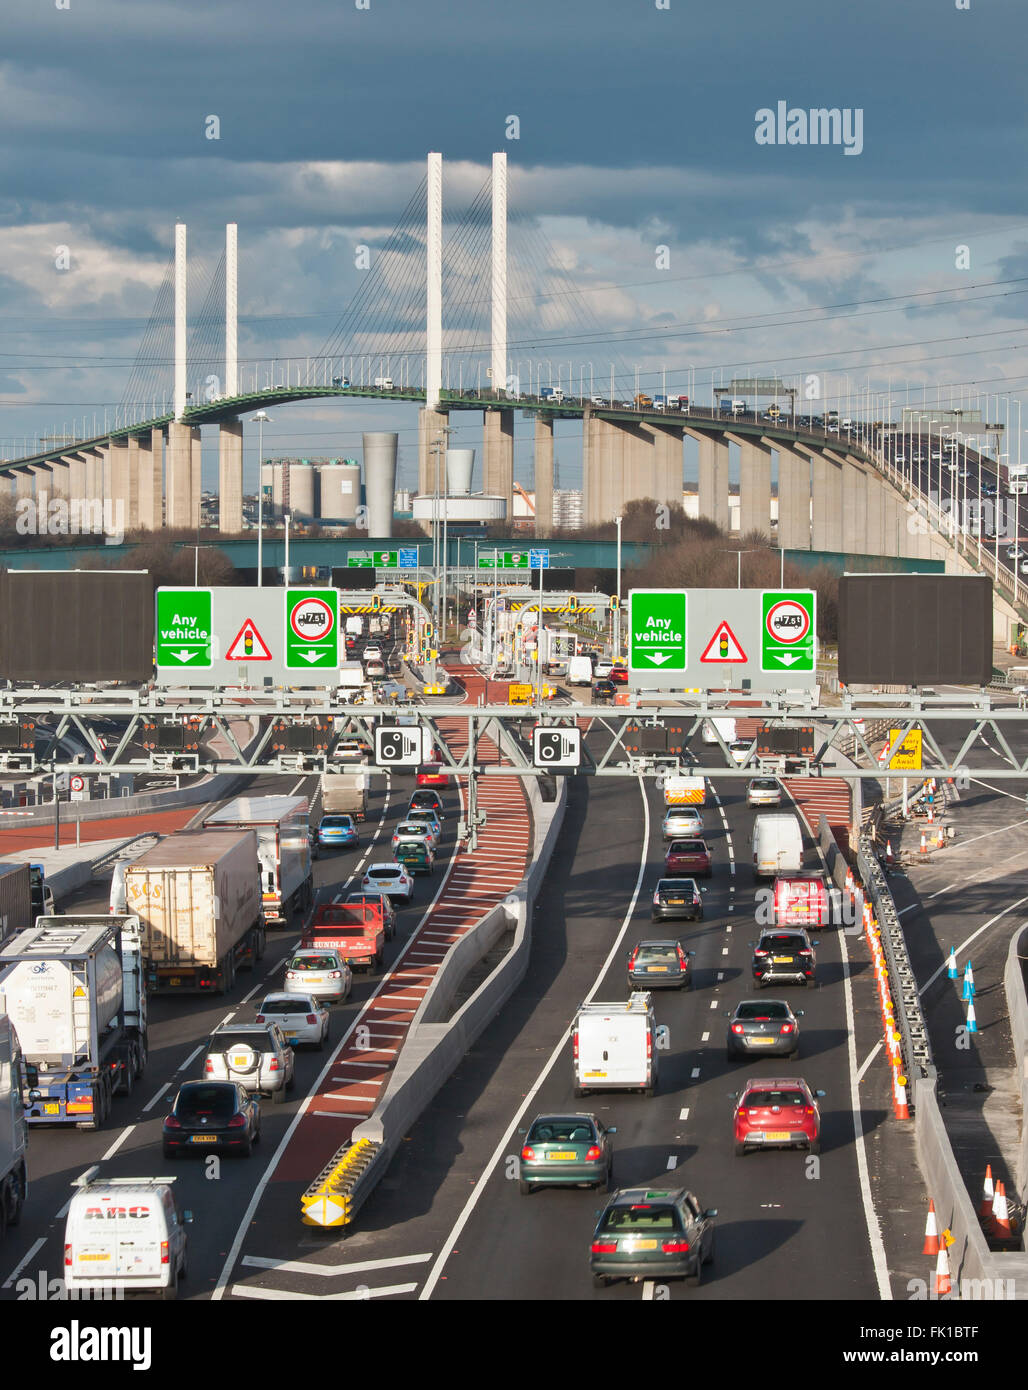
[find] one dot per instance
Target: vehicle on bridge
(551, 393)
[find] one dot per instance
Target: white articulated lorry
(198, 898)
(281, 824)
(13, 1129)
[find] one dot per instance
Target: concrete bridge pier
(754, 484)
(826, 492)
(230, 477)
(60, 478)
(543, 471)
(858, 523)
(124, 488)
(666, 468)
(624, 462)
(150, 486)
(793, 500)
(498, 456)
(430, 423)
(183, 443)
(713, 493)
(76, 475)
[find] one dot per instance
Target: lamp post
(740, 554)
(285, 575)
(262, 417)
(617, 612)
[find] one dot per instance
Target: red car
(619, 675)
(431, 775)
(690, 858)
(777, 1113)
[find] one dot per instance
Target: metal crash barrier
(337, 1193)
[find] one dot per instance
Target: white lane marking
(241, 1291)
(695, 1073)
(355, 1063)
(299, 784)
(999, 790)
(874, 1234)
(227, 1019)
(647, 1294)
(684, 1114)
(373, 1000)
(909, 908)
(713, 1003)
(559, 1050)
(195, 1053)
(673, 1161)
(869, 1059)
(964, 944)
(251, 994)
(340, 1114)
(724, 950)
(300, 1267)
(151, 1103)
(705, 1037)
(728, 925)
(720, 976)
(30, 1254)
(117, 1143)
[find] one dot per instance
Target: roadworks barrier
(337, 1193)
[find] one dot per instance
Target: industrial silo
(301, 490)
(380, 480)
(460, 464)
(271, 486)
(340, 493)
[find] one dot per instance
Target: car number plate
(175, 980)
(783, 960)
(563, 1154)
(204, 1139)
(652, 968)
(760, 1042)
(630, 1246)
(83, 1258)
(676, 902)
(595, 1073)
(777, 1134)
(51, 1108)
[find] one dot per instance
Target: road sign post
(184, 626)
(312, 630)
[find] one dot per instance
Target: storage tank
(272, 477)
(460, 464)
(301, 491)
(380, 480)
(45, 997)
(340, 492)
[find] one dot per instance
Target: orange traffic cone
(849, 881)
(1000, 1214)
(988, 1193)
(942, 1279)
(924, 843)
(888, 853)
(931, 1232)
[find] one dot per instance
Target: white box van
(384, 383)
(724, 727)
(125, 1234)
(777, 845)
(354, 625)
(614, 1046)
(580, 671)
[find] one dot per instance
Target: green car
(416, 856)
(562, 1149)
(652, 1235)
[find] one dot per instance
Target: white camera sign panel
(552, 747)
(402, 745)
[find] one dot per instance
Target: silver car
(762, 1025)
(763, 791)
(254, 1055)
(682, 821)
(323, 974)
(303, 1019)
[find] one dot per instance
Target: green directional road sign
(787, 630)
(657, 630)
(184, 628)
(515, 560)
(312, 629)
(487, 562)
(360, 562)
(384, 559)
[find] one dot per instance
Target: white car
(602, 670)
(322, 973)
(740, 750)
(303, 1019)
(763, 791)
(682, 821)
(372, 652)
(427, 819)
(405, 832)
(392, 879)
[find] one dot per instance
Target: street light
(617, 614)
(740, 554)
(262, 417)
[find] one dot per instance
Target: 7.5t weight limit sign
(787, 630)
(312, 629)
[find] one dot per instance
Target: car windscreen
(337, 822)
(384, 873)
(682, 813)
(206, 1100)
(761, 1100)
(294, 1004)
(644, 1218)
(313, 963)
(759, 1009)
(412, 828)
(782, 943)
(763, 784)
(657, 953)
(676, 887)
(570, 1131)
(229, 1041)
(688, 847)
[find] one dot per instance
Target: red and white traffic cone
(988, 1193)
(888, 853)
(902, 1107)
(924, 843)
(1001, 1214)
(942, 1279)
(931, 1232)
(849, 882)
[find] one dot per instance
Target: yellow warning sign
(907, 757)
(79, 993)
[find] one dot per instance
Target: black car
(426, 799)
(784, 953)
(388, 908)
(212, 1115)
(676, 899)
(652, 1235)
(603, 692)
(762, 1025)
(661, 964)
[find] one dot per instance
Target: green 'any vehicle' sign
(657, 630)
(312, 629)
(184, 628)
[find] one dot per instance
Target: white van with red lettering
(125, 1235)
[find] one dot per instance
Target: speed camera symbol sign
(399, 747)
(556, 747)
